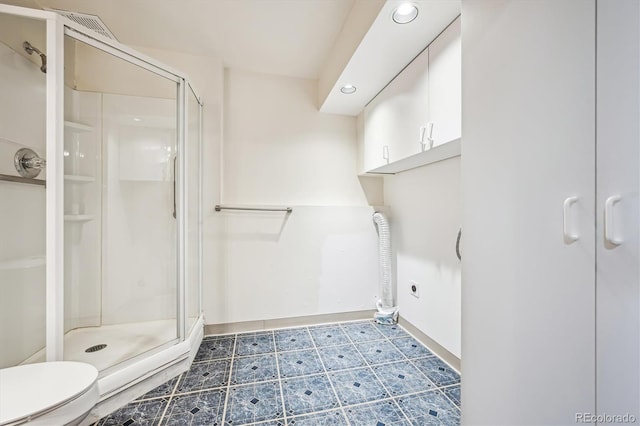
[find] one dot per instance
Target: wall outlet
(414, 289)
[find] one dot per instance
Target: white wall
(316, 260)
(426, 211)
(278, 149)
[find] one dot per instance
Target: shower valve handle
(34, 163)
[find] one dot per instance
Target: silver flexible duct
(385, 302)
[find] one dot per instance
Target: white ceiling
(385, 50)
(284, 37)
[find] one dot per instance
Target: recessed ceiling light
(348, 89)
(136, 119)
(405, 13)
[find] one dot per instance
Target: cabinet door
(394, 117)
(618, 154)
(445, 85)
(528, 297)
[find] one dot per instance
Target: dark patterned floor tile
(381, 413)
(257, 368)
(293, 339)
(307, 394)
(356, 386)
(195, 409)
(341, 357)
(254, 343)
(328, 335)
(327, 418)
(391, 331)
(379, 351)
(429, 408)
(453, 393)
(401, 378)
(215, 348)
(362, 331)
(141, 413)
(206, 375)
(254, 403)
(437, 371)
(411, 348)
(299, 363)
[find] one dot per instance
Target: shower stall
(100, 181)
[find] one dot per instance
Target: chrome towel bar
(20, 179)
(255, 209)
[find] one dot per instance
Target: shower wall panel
(139, 246)
(22, 220)
(82, 206)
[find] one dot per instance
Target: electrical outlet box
(414, 289)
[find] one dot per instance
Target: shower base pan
(123, 341)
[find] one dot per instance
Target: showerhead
(30, 50)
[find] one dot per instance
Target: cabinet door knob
(609, 231)
(569, 237)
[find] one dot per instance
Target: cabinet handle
(458, 243)
(385, 153)
(426, 132)
(609, 231)
(566, 207)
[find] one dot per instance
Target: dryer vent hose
(385, 302)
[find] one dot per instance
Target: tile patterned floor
(355, 373)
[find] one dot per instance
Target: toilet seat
(65, 390)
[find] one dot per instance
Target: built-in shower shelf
(74, 126)
(22, 263)
(79, 179)
(78, 217)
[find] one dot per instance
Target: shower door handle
(175, 159)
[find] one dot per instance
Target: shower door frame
(57, 27)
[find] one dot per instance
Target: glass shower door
(121, 251)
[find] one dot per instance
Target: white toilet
(47, 393)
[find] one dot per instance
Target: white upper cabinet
(420, 103)
(393, 119)
(445, 76)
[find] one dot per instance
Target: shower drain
(95, 348)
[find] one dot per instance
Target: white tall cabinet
(550, 322)
(618, 162)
